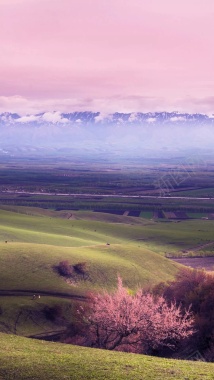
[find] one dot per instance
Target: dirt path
(198, 248)
(30, 293)
(185, 252)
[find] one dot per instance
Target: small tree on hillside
(141, 322)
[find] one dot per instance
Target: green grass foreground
(22, 358)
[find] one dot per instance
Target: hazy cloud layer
(106, 106)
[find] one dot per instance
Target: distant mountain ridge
(94, 134)
(97, 118)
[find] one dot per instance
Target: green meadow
(34, 241)
(24, 359)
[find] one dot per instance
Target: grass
(37, 242)
(205, 192)
(146, 214)
(25, 316)
(30, 266)
(84, 230)
(196, 215)
(24, 359)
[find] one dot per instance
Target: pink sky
(106, 55)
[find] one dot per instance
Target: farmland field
(206, 263)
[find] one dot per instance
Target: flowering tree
(141, 321)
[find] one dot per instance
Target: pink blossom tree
(141, 321)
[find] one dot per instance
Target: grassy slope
(23, 316)
(22, 359)
(38, 242)
(28, 266)
(45, 227)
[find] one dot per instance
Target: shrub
(53, 313)
(81, 268)
(65, 269)
(194, 288)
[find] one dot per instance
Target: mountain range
(97, 118)
(90, 134)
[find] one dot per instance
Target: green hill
(36, 243)
(24, 359)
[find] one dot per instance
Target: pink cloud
(99, 49)
(105, 105)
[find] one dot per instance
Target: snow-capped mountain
(97, 118)
(95, 134)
